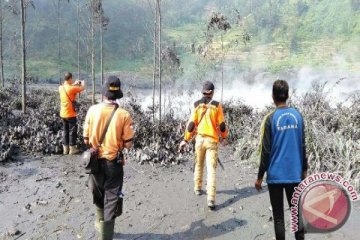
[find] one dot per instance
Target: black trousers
(106, 186)
(276, 192)
(70, 131)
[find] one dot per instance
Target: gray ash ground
(46, 198)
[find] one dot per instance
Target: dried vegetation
(40, 129)
(332, 133)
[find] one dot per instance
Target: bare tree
(220, 23)
(59, 40)
(78, 37)
(23, 57)
(101, 52)
(1, 47)
(97, 16)
(93, 9)
(154, 30)
(159, 52)
(155, 65)
(104, 22)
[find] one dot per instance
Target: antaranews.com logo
(323, 203)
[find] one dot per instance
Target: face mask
(118, 101)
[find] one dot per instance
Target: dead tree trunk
(155, 64)
(1, 47)
(59, 41)
(222, 67)
(93, 57)
(78, 39)
(102, 52)
(159, 55)
(23, 58)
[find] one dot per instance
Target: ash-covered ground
(45, 197)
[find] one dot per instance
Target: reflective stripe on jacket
(212, 124)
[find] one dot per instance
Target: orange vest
(66, 98)
(119, 132)
(212, 123)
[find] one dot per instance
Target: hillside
(282, 34)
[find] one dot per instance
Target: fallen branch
(42, 179)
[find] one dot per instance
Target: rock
(27, 206)
(42, 202)
(11, 232)
(232, 210)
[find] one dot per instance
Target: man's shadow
(237, 195)
(197, 230)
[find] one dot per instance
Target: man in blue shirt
(283, 155)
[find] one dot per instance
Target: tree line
(95, 22)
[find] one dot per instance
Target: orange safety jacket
(212, 123)
(120, 129)
(66, 98)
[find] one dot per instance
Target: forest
(270, 35)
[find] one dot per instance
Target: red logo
(325, 207)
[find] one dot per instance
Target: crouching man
(107, 184)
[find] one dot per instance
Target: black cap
(208, 87)
(112, 88)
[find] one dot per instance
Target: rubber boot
(65, 149)
(99, 216)
(107, 230)
(73, 150)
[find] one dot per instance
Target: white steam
(254, 88)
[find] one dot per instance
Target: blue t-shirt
(283, 147)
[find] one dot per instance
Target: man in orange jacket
(207, 123)
(68, 113)
(107, 185)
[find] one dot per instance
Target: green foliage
(300, 27)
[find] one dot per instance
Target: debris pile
(332, 133)
(156, 142)
(243, 123)
(38, 130)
